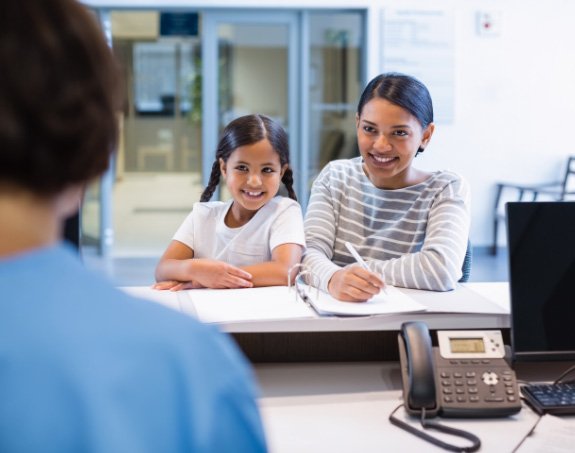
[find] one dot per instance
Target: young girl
(411, 226)
(253, 239)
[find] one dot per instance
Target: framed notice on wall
(421, 43)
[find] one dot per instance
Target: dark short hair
(402, 90)
(59, 96)
(247, 130)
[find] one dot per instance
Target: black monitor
(541, 248)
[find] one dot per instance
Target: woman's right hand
(355, 284)
(218, 274)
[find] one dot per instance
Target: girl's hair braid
(287, 179)
(213, 183)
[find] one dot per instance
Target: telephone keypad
(469, 389)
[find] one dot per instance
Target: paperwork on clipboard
(280, 303)
(389, 303)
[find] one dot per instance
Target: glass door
(304, 69)
(335, 78)
(187, 74)
(156, 176)
(250, 66)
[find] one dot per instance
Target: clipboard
(392, 302)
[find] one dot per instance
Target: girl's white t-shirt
(278, 222)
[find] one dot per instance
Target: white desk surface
(344, 407)
(481, 305)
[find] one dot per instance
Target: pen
(359, 259)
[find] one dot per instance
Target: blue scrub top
(85, 367)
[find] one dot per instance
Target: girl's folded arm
(178, 264)
(175, 263)
(275, 272)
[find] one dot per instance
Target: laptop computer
(541, 252)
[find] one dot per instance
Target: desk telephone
(466, 376)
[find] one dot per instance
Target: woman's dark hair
(247, 130)
(402, 90)
(59, 96)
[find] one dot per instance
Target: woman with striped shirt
(409, 225)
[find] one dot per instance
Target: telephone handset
(417, 370)
(466, 376)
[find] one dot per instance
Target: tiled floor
(140, 271)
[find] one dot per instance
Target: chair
(466, 267)
(556, 190)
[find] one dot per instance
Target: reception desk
(366, 338)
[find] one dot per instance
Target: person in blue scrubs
(83, 366)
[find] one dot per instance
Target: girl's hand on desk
(354, 284)
(168, 284)
(174, 285)
(218, 274)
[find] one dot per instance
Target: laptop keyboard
(551, 398)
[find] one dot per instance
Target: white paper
(381, 304)
(249, 304)
(552, 435)
(167, 298)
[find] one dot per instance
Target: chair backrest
(568, 187)
(466, 267)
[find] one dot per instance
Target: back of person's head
(247, 130)
(402, 90)
(59, 94)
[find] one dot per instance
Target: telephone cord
(427, 424)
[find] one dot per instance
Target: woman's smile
(380, 161)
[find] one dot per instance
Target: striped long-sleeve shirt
(415, 237)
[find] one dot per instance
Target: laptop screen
(541, 244)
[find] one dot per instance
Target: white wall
(514, 93)
(514, 99)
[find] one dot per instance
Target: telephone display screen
(466, 345)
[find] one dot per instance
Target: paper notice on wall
(421, 43)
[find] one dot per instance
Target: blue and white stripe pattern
(415, 237)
